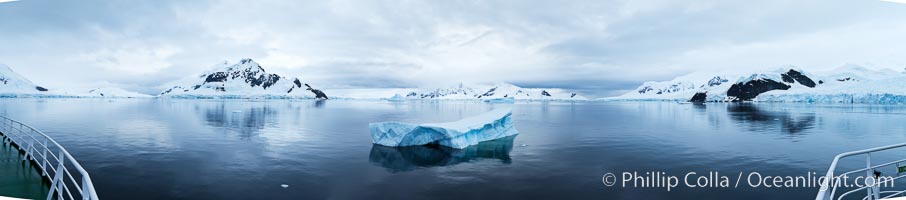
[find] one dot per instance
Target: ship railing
(68, 179)
(872, 180)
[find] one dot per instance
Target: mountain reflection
(246, 120)
(408, 158)
(759, 119)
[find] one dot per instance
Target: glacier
(460, 134)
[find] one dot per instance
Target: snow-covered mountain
(847, 84)
(245, 79)
(13, 83)
(462, 92)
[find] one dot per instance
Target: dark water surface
(241, 149)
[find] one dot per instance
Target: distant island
(847, 84)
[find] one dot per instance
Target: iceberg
(397, 97)
(460, 134)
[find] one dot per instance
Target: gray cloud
(598, 47)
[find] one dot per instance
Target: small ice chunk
(460, 134)
(284, 186)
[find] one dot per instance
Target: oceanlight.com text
(713, 179)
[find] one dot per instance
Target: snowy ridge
(846, 84)
(463, 92)
(244, 79)
(681, 88)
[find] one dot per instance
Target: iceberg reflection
(408, 158)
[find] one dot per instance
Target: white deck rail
(829, 185)
(54, 162)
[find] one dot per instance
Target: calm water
(240, 149)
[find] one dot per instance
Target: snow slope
(460, 134)
(244, 79)
(113, 92)
(846, 84)
(12, 83)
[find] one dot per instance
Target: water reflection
(320, 103)
(758, 119)
(397, 159)
(246, 120)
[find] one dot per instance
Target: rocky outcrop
(794, 76)
(746, 91)
(699, 97)
(318, 93)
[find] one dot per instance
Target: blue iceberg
(460, 134)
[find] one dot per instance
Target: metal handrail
(39, 148)
(828, 189)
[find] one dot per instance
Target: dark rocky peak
(298, 83)
(318, 93)
(645, 89)
(793, 76)
(489, 93)
(699, 97)
(717, 80)
(246, 70)
(748, 90)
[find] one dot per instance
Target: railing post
(56, 183)
(21, 147)
(44, 159)
(873, 192)
(27, 151)
(85, 194)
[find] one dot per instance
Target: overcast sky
(598, 47)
